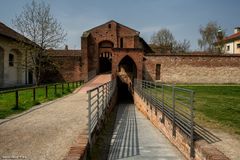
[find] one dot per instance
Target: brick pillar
(84, 56)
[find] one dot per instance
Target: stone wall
(203, 150)
(17, 74)
(193, 68)
(66, 69)
(70, 68)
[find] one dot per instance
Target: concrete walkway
(135, 137)
(97, 81)
(47, 132)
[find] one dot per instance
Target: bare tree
(37, 24)
(163, 41)
(182, 47)
(209, 35)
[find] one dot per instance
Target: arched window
(106, 44)
(158, 71)
(11, 59)
(121, 42)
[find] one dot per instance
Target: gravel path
(97, 81)
(45, 133)
(229, 144)
(48, 131)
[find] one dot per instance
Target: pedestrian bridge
(154, 121)
(169, 108)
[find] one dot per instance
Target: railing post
(163, 105)
(108, 92)
(192, 152)
(68, 85)
(174, 116)
(106, 98)
(34, 94)
(17, 98)
(98, 116)
(46, 91)
(62, 88)
(55, 89)
(151, 94)
(155, 95)
(89, 121)
(103, 103)
(144, 89)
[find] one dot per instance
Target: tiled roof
(64, 53)
(232, 37)
(111, 21)
(10, 33)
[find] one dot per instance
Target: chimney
(236, 30)
(66, 47)
(219, 34)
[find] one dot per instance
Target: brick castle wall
(69, 67)
(194, 68)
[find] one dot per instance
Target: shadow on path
(125, 142)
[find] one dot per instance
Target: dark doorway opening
(105, 56)
(30, 77)
(105, 65)
(127, 67)
(124, 94)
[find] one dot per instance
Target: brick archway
(105, 62)
(136, 57)
(127, 66)
(105, 56)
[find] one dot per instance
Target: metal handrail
(166, 101)
(98, 102)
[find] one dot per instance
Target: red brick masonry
(203, 150)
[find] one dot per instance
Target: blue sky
(182, 17)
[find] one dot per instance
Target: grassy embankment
(217, 106)
(8, 100)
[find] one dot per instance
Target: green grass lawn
(217, 106)
(8, 102)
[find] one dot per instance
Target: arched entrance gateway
(127, 70)
(105, 56)
(104, 49)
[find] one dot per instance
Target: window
(158, 69)
(228, 48)
(11, 59)
(109, 26)
(238, 45)
(121, 43)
